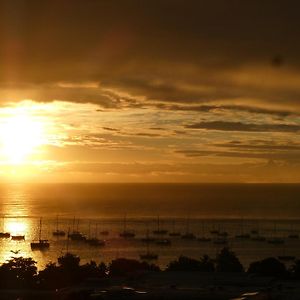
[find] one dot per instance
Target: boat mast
(147, 240)
(124, 224)
(40, 233)
(188, 224)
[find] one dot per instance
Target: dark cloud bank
(170, 51)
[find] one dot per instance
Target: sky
(150, 91)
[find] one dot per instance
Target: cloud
(246, 127)
(234, 108)
(54, 50)
(187, 171)
(260, 145)
(271, 155)
(111, 129)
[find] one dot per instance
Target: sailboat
(188, 235)
(242, 235)
(256, 235)
(203, 238)
(40, 244)
(58, 232)
(76, 235)
(220, 241)
(159, 231)
(293, 234)
(163, 242)
(3, 234)
(174, 232)
(148, 255)
(276, 240)
(95, 242)
(214, 230)
(104, 232)
(18, 237)
(126, 233)
(148, 239)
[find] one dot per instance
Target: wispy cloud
(248, 127)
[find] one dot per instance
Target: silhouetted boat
(75, 235)
(159, 231)
(293, 236)
(220, 241)
(126, 233)
(223, 234)
(174, 232)
(18, 237)
(95, 242)
(258, 238)
(3, 234)
(58, 232)
(203, 239)
(148, 238)
(148, 255)
(243, 236)
(293, 233)
(40, 244)
(276, 241)
(188, 235)
(163, 242)
(104, 232)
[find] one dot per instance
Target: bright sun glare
(20, 135)
(16, 227)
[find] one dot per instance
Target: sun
(16, 227)
(21, 134)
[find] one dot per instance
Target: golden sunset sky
(150, 91)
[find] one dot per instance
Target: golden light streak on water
(14, 220)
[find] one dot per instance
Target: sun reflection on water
(16, 227)
(14, 211)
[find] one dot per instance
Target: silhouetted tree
(18, 272)
(207, 264)
(227, 261)
(295, 269)
(184, 263)
(69, 261)
(51, 277)
(91, 269)
(123, 266)
(68, 271)
(268, 267)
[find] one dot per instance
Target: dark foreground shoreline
(222, 277)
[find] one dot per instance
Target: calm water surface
(273, 210)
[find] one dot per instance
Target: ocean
(273, 210)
